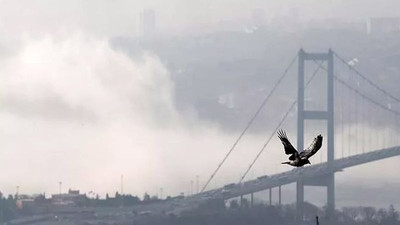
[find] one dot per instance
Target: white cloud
(75, 110)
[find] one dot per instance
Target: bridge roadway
(178, 205)
(308, 173)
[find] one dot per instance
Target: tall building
(147, 23)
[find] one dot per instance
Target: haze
(84, 101)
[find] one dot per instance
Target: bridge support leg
(328, 115)
(251, 200)
(270, 196)
(331, 196)
(299, 200)
(279, 196)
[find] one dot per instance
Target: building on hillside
(383, 25)
(32, 203)
(72, 198)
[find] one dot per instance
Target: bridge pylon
(327, 115)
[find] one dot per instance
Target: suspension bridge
(359, 106)
(361, 123)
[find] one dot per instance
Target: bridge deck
(305, 173)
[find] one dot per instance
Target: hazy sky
(75, 110)
(120, 17)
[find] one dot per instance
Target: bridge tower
(328, 115)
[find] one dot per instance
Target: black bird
(299, 159)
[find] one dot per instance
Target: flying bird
(299, 159)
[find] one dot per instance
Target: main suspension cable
(366, 79)
(264, 102)
(276, 129)
(366, 97)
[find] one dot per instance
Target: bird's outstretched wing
(289, 149)
(312, 149)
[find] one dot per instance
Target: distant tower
(147, 23)
(59, 187)
(122, 184)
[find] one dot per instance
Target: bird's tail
(285, 163)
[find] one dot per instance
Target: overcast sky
(75, 110)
